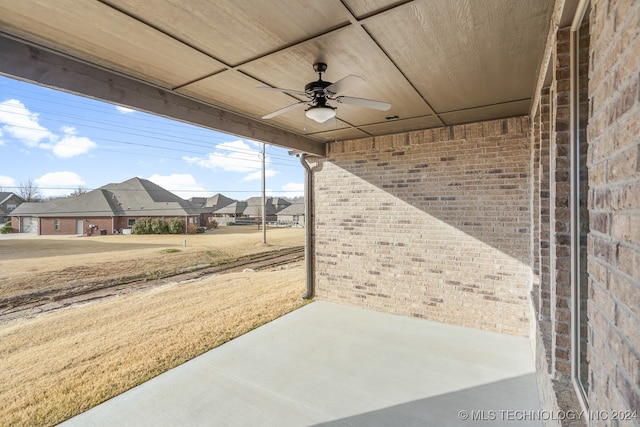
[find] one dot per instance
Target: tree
(78, 191)
(30, 191)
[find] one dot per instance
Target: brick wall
(535, 137)
(614, 204)
(559, 214)
(432, 224)
(68, 225)
(609, 211)
(544, 200)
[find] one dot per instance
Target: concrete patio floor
(334, 365)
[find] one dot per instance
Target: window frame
(575, 166)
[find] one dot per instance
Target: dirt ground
(60, 363)
(35, 267)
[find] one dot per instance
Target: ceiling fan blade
(289, 91)
(283, 110)
(368, 103)
(345, 83)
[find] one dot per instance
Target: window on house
(579, 208)
(11, 206)
(56, 224)
(130, 222)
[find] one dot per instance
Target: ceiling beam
(40, 66)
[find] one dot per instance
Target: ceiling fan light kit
(320, 114)
(320, 91)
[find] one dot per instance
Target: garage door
(29, 225)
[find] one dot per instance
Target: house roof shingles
(233, 208)
(134, 197)
(296, 208)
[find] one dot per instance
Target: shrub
(6, 228)
(175, 226)
(158, 226)
(213, 223)
(140, 226)
(192, 229)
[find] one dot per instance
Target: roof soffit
(438, 62)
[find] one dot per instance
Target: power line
(144, 191)
(182, 126)
(209, 154)
(165, 135)
(179, 141)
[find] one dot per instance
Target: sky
(62, 142)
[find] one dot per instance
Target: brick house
(207, 206)
(106, 210)
(519, 216)
(273, 205)
(293, 214)
(8, 202)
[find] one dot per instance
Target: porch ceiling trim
(38, 65)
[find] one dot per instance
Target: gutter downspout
(307, 227)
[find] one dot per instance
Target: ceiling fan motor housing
(316, 87)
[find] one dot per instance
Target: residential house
(113, 208)
(8, 202)
(273, 205)
(292, 214)
(231, 214)
(207, 206)
(25, 218)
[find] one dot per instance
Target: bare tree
(30, 191)
(78, 191)
(255, 213)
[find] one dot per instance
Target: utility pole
(264, 197)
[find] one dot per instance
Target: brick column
(535, 208)
(545, 132)
(559, 213)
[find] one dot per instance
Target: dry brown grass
(62, 363)
(38, 265)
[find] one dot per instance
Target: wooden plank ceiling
(438, 62)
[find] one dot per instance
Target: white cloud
(236, 156)
(258, 175)
(182, 185)
(8, 183)
(124, 110)
(71, 145)
(59, 183)
(293, 189)
(256, 144)
(20, 123)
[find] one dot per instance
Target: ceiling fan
(320, 92)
